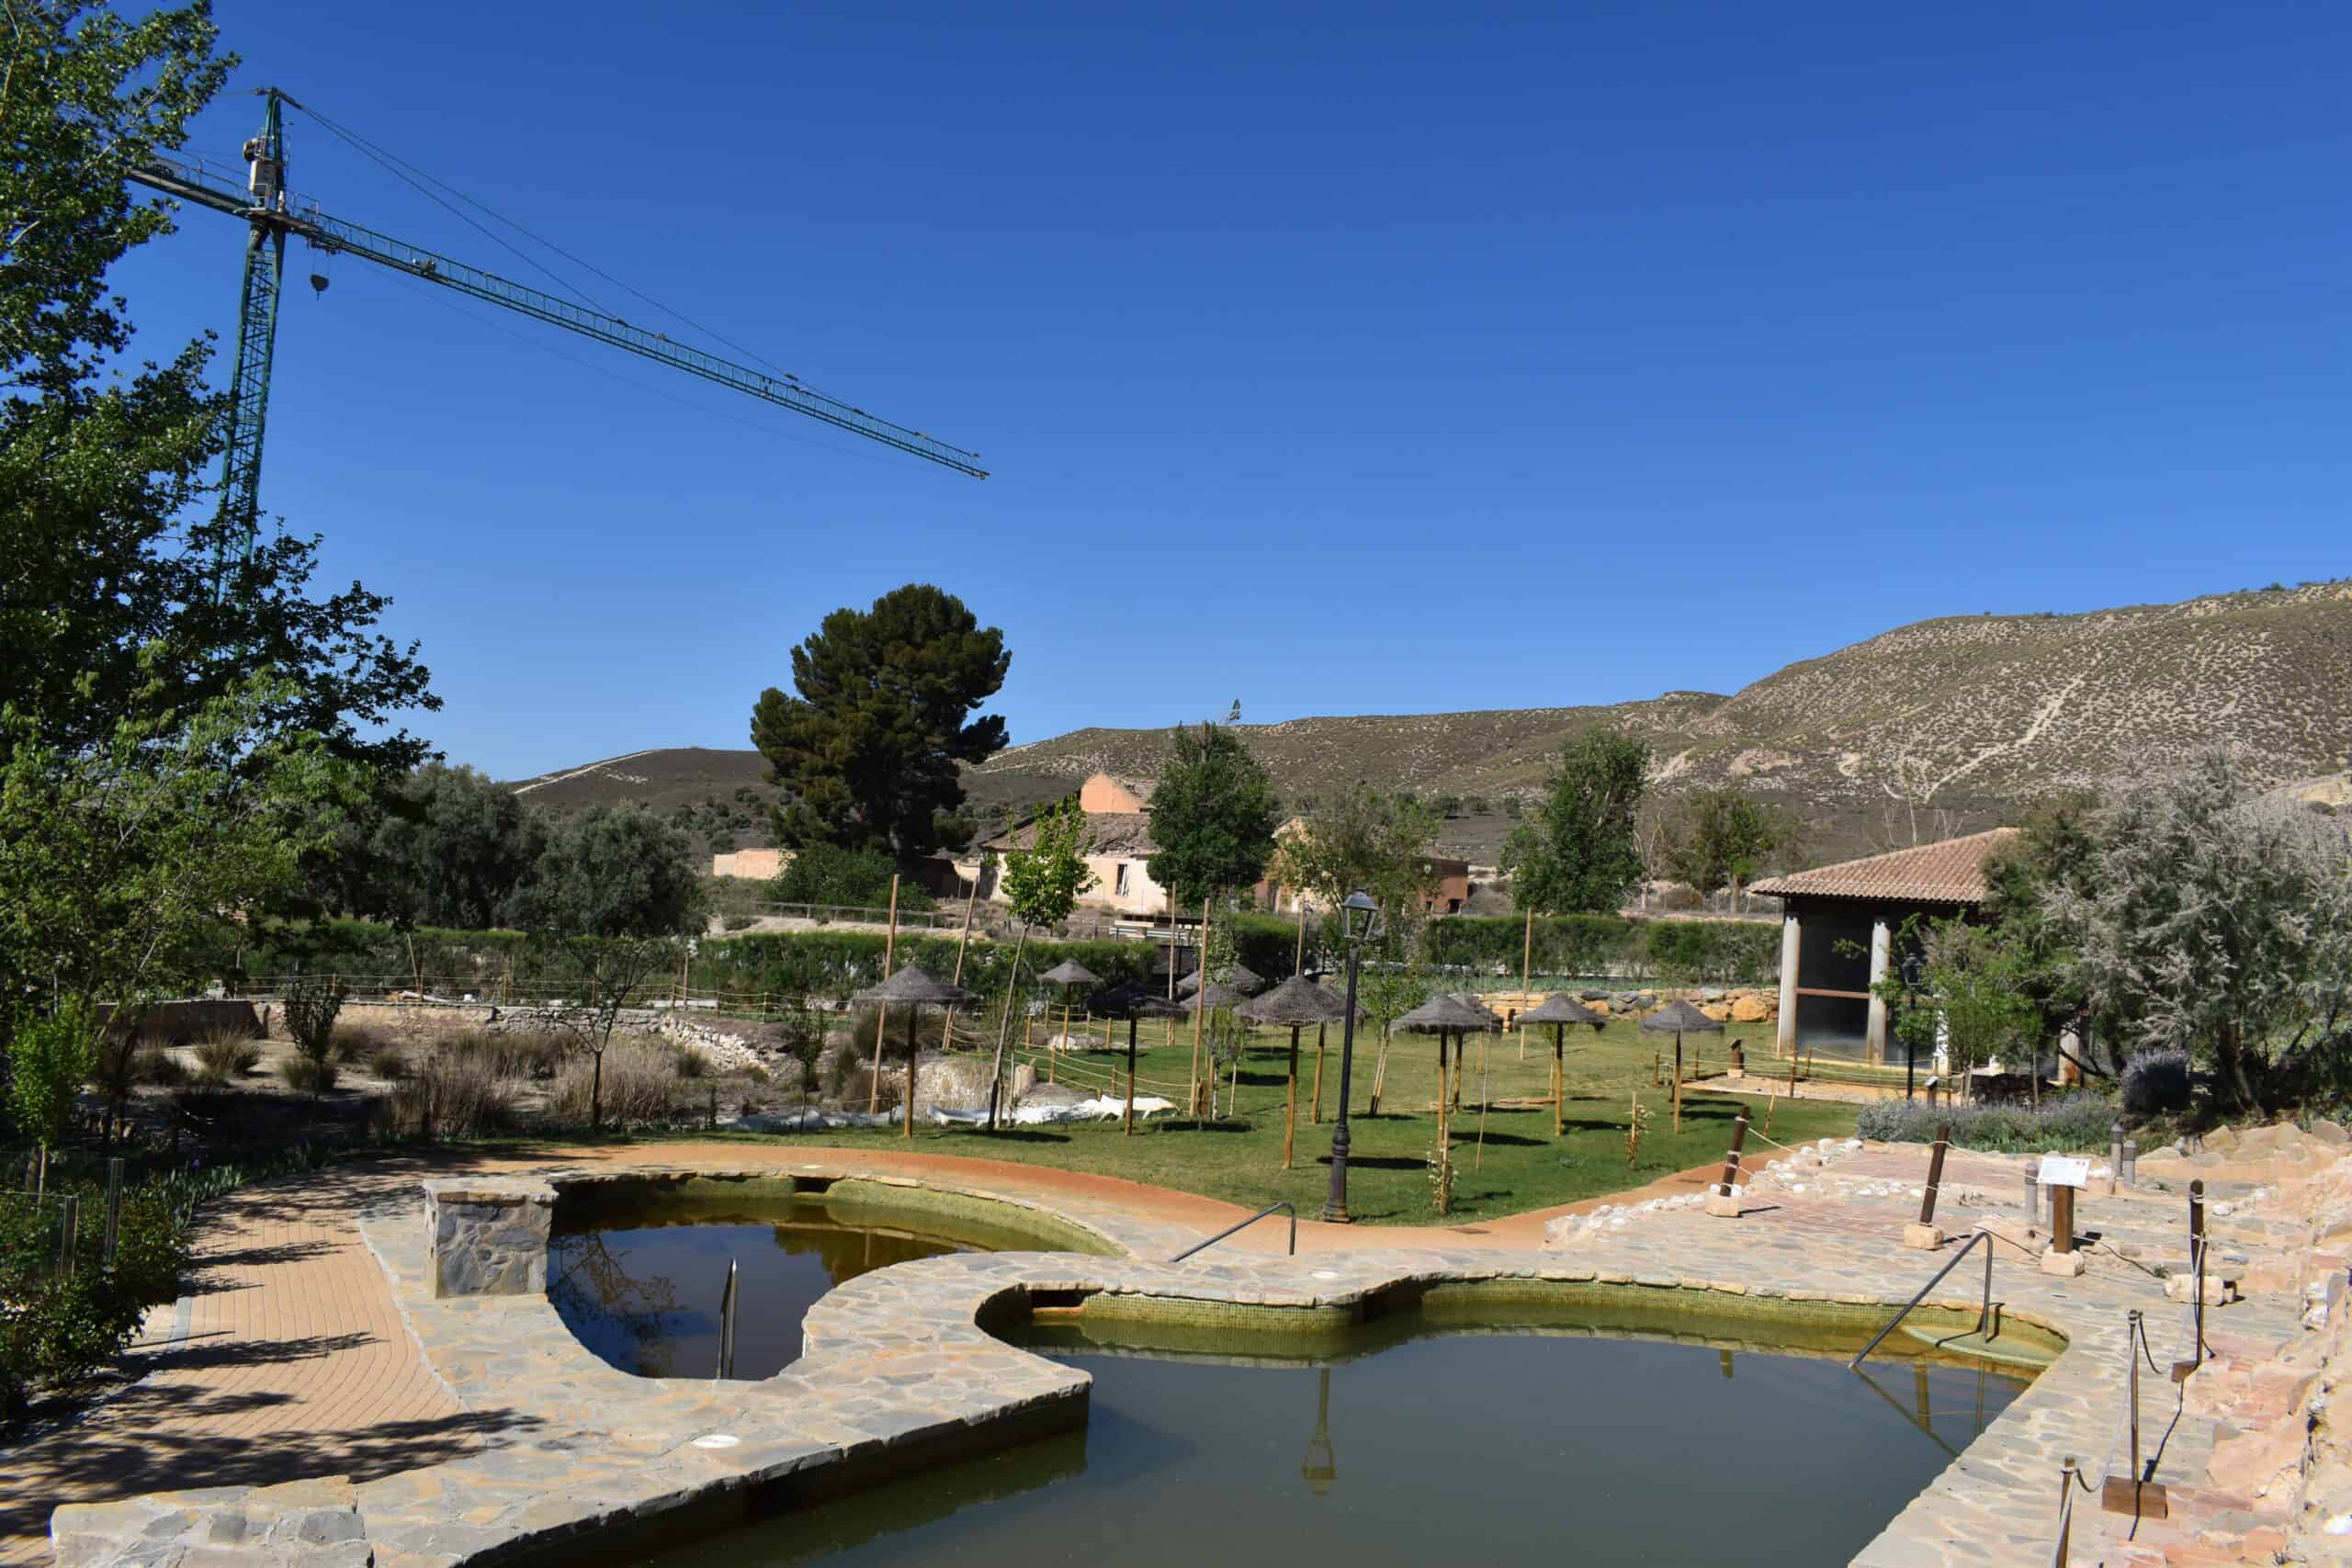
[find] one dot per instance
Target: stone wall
(489, 1237)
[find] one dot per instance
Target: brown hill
(1943, 726)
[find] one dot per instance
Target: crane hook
(318, 283)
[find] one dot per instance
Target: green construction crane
(262, 201)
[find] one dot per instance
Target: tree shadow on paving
(123, 1454)
(260, 1256)
(204, 1355)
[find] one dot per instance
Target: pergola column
(1791, 939)
(1874, 1035)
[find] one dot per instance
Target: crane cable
(402, 168)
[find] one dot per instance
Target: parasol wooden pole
(882, 1012)
(1678, 1081)
(1290, 1100)
(1316, 1115)
(1200, 997)
(1478, 1155)
(1559, 1077)
(1526, 957)
(912, 1051)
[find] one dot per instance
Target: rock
(1713, 994)
(2250, 1465)
(1752, 1009)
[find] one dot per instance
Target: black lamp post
(1913, 967)
(1357, 914)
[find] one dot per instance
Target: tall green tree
(612, 872)
(867, 751)
(1362, 837)
(1719, 837)
(1213, 814)
(1578, 854)
(1042, 882)
(444, 847)
(108, 534)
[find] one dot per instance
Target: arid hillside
(1945, 724)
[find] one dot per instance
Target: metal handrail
(1245, 1224)
(1984, 1315)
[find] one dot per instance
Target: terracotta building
(1837, 935)
(1120, 829)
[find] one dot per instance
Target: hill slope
(1954, 721)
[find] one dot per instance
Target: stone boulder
(1753, 1008)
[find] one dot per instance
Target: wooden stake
(1678, 1081)
(1290, 1100)
(970, 899)
(1132, 1022)
(1315, 1115)
(1200, 1009)
(913, 1015)
(1559, 1079)
(1478, 1155)
(1771, 1104)
(1526, 957)
(882, 1013)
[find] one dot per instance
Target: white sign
(2057, 1172)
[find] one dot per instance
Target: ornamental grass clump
(641, 1087)
(225, 1055)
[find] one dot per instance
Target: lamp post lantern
(1357, 914)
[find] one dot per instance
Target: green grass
(1239, 1159)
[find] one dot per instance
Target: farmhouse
(1120, 829)
(1449, 883)
(1838, 935)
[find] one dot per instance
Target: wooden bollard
(2062, 1260)
(1924, 1235)
(1738, 1060)
(1724, 1202)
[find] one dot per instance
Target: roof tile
(1949, 872)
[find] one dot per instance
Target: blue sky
(1338, 359)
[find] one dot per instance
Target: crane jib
(194, 184)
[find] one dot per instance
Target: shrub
(388, 1063)
(2158, 1083)
(929, 1022)
(311, 1009)
(305, 1075)
(510, 1056)
(2077, 1120)
(156, 1065)
(453, 1095)
(58, 1332)
(640, 1085)
(224, 1056)
(356, 1042)
(692, 1063)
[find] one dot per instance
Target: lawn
(1238, 1158)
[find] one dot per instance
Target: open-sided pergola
(1561, 1010)
(913, 987)
(1297, 1001)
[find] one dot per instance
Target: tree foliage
(2213, 924)
(612, 872)
(855, 879)
(1577, 854)
(444, 847)
(1042, 882)
(1968, 1002)
(49, 1056)
(1213, 814)
(868, 751)
(1360, 838)
(1720, 837)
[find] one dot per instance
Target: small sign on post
(2064, 1178)
(2059, 1170)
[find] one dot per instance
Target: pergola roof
(1447, 1015)
(1296, 1000)
(1680, 1017)
(1949, 872)
(914, 986)
(1562, 1008)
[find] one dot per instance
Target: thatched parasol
(1134, 1001)
(1560, 1009)
(1218, 996)
(1244, 979)
(1446, 1017)
(1069, 973)
(913, 987)
(1297, 1001)
(1680, 1018)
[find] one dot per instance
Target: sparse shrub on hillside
(641, 1087)
(223, 1057)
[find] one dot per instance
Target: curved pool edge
(899, 1373)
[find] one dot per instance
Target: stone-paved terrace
(897, 1373)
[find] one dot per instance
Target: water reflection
(1321, 1468)
(644, 1297)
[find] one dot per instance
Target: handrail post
(2131, 1494)
(1984, 1236)
(1230, 1230)
(729, 1301)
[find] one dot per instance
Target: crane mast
(264, 203)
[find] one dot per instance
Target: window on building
(1119, 880)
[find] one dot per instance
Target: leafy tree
(612, 872)
(1213, 816)
(1969, 986)
(857, 879)
(868, 751)
(444, 847)
(1578, 854)
(49, 1056)
(121, 864)
(107, 541)
(1718, 837)
(612, 968)
(1041, 883)
(2055, 848)
(2214, 925)
(1360, 838)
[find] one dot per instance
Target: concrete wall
(757, 864)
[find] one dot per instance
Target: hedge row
(1732, 952)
